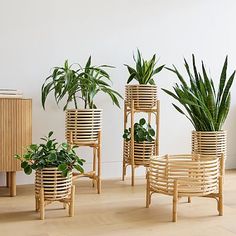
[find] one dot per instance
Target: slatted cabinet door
(15, 134)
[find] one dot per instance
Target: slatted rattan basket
(83, 125)
(142, 152)
(144, 96)
(56, 186)
(209, 143)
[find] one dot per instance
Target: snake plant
(72, 83)
(205, 107)
(144, 71)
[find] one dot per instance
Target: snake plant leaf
(205, 107)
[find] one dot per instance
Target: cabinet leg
(13, 184)
(8, 179)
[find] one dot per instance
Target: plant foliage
(144, 70)
(50, 154)
(72, 83)
(142, 132)
(205, 107)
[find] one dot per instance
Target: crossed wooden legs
(218, 196)
(40, 202)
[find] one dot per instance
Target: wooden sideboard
(15, 135)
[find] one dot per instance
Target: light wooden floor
(119, 210)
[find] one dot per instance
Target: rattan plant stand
(140, 99)
(186, 176)
(51, 186)
(83, 129)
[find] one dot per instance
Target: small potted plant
(53, 164)
(144, 94)
(74, 83)
(206, 108)
(144, 143)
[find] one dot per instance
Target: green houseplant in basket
(204, 105)
(53, 165)
(144, 143)
(74, 84)
(143, 94)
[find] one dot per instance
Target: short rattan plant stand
(51, 186)
(186, 176)
(83, 129)
(140, 99)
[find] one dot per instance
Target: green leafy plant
(142, 132)
(144, 71)
(50, 154)
(72, 83)
(205, 107)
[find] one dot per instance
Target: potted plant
(74, 83)
(205, 107)
(143, 94)
(53, 164)
(144, 143)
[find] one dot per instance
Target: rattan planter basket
(51, 186)
(209, 143)
(56, 187)
(82, 125)
(142, 152)
(144, 96)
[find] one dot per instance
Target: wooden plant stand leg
(125, 124)
(72, 202)
(42, 205)
(99, 163)
(175, 201)
(13, 184)
(220, 201)
(148, 196)
(132, 144)
(94, 164)
(189, 199)
(37, 202)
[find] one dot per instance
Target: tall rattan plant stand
(83, 129)
(140, 99)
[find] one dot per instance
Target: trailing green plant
(72, 83)
(205, 107)
(143, 132)
(50, 154)
(144, 70)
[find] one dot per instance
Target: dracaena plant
(205, 107)
(143, 132)
(50, 154)
(144, 70)
(74, 83)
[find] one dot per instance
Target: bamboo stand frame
(51, 186)
(95, 174)
(130, 108)
(186, 176)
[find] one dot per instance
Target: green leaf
(79, 168)
(142, 121)
(28, 170)
(62, 167)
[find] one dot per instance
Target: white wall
(37, 35)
